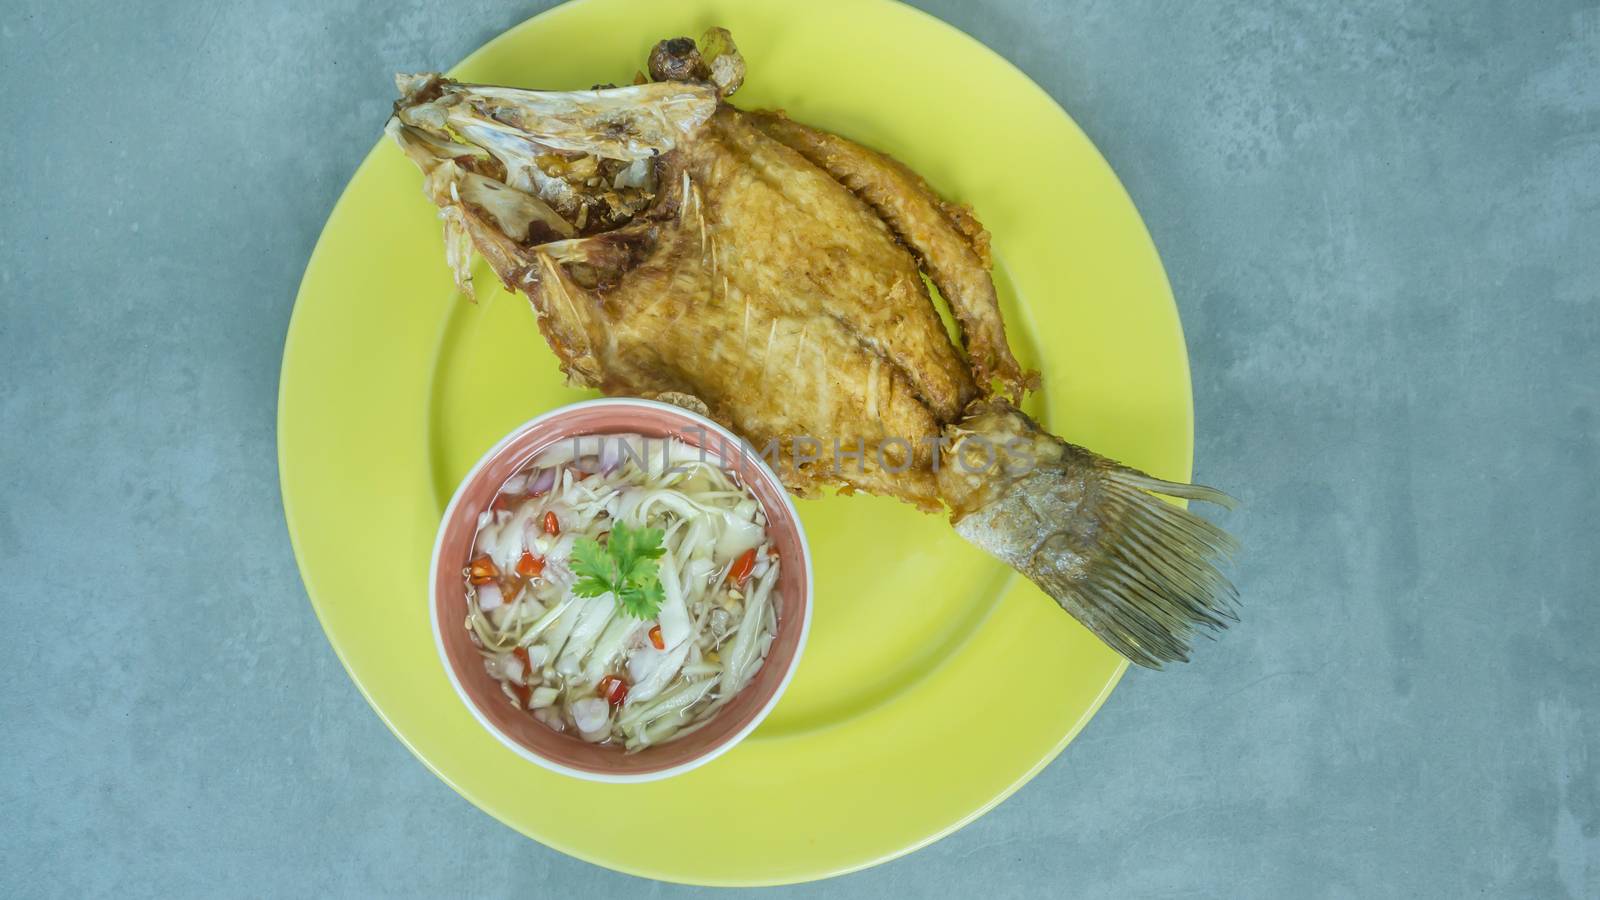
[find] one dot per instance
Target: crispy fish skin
(769, 275)
(946, 238)
(784, 234)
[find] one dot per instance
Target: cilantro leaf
(643, 602)
(587, 553)
(626, 567)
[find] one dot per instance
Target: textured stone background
(1382, 223)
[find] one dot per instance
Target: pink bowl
(565, 753)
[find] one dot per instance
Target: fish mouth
(542, 168)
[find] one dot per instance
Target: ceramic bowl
(569, 754)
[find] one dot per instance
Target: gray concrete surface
(1382, 223)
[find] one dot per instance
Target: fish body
(771, 275)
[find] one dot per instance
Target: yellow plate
(936, 681)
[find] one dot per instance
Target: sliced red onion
(490, 597)
(610, 454)
(543, 482)
(485, 544)
(513, 669)
(516, 484)
(533, 539)
(643, 662)
(591, 714)
(538, 655)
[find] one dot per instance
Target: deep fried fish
(770, 275)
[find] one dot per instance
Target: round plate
(936, 680)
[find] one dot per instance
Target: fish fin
(1139, 572)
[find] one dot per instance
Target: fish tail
(1139, 572)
